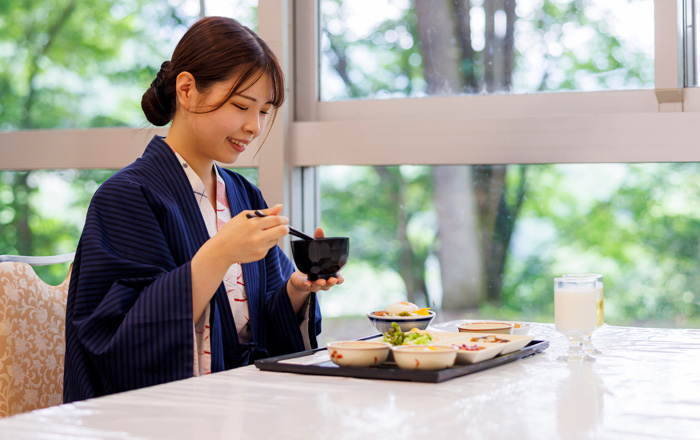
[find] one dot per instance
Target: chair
(32, 335)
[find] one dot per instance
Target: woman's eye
(241, 107)
(265, 112)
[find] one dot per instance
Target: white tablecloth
(645, 385)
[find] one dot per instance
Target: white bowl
(520, 328)
(505, 328)
(424, 357)
(358, 353)
(406, 323)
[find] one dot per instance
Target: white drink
(575, 310)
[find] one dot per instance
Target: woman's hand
(244, 239)
(240, 240)
(299, 286)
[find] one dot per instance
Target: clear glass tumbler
(575, 313)
(599, 309)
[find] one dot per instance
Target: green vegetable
(396, 337)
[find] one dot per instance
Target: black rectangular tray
(390, 371)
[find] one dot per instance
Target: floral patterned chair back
(32, 339)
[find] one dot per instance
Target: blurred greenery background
(468, 241)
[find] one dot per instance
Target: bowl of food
(424, 357)
(486, 327)
(471, 353)
(407, 315)
(321, 258)
(358, 353)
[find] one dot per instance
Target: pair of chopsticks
(292, 231)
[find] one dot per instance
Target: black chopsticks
(292, 231)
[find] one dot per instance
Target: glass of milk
(575, 312)
(599, 309)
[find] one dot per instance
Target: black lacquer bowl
(321, 258)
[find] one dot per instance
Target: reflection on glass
(391, 49)
(486, 241)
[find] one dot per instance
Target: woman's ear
(186, 90)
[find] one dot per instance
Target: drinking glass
(587, 342)
(575, 313)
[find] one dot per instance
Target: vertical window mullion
(668, 54)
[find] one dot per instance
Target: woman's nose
(253, 125)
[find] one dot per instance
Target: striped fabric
(129, 312)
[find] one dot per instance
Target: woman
(171, 279)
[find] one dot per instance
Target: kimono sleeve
(129, 314)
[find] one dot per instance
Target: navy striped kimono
(129, 315)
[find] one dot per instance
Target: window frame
(573, 127)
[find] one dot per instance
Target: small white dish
(486, 327)
(520, 328)
(466, 355)
(406, 323)
(358, 353)
(424, 357)
(512, 342)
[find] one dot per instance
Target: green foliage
(364, 204)
(640, 232)
(67, 64)
(64, 63)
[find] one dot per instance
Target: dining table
(644, 384)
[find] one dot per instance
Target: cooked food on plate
(489, 338)
(402, 308)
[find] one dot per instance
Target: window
(480, 116)
(79, 65)
(394, 49)
(488, 240)
(623, 144)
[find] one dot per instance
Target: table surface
(644, 385)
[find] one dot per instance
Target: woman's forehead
(258, 86)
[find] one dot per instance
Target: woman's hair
(214, 49)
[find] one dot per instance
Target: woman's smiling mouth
(237, 145)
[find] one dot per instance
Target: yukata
(129, 320)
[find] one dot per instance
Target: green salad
(396, 337)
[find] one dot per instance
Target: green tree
(57, 57)
(429, 50)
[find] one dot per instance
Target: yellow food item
(423, 311)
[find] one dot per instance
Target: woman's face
(223, 134)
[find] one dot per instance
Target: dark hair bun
(158, 101)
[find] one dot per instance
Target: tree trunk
(411, 266)
(435, 24)
(20, 205)
(459, 251)
(498, 50)
(461, 267)
(38, 53)
(462, 10)
(496, 220)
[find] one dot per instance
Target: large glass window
(486, 241)
(68, 64)
(393, 49)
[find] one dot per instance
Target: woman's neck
(183, 142)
